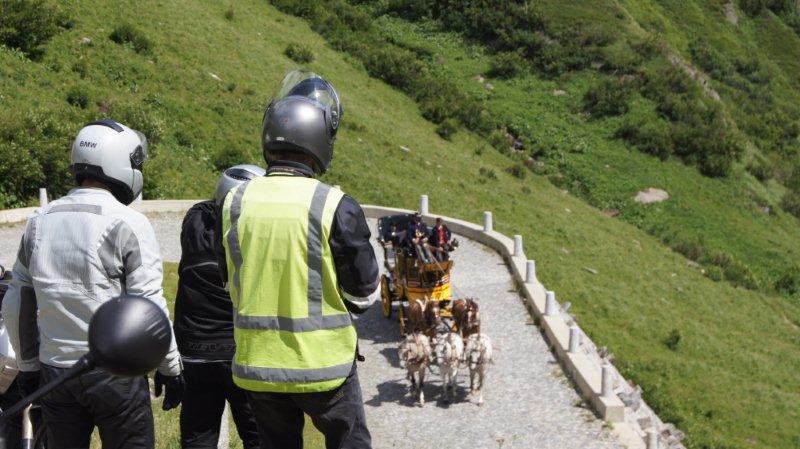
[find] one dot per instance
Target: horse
(424, 316)
(466, 316)
(449, 351)
(478, 355)
(415, 355)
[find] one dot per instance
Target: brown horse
(424, 316)
(466, 316)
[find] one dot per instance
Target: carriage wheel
(386, 297)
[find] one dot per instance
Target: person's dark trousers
(13, 428)
(118, 406)
(338, 414)
(208, 386)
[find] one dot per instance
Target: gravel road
(529, 402)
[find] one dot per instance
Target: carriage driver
(297, 257)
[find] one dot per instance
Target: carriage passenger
(417, 238)
(441, 240)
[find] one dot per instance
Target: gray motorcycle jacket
(76, 253)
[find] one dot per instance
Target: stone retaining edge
(586, 376)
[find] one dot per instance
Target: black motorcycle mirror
(128, 336)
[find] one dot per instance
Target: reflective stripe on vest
(281, 345)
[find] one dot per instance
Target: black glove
(175, 386)
(27, 382)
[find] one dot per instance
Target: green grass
(732, 379)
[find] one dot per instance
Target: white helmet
(112, 153)
(232, 177)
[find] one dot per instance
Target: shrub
(487, 173)
(789, 282)
(720, 259)
(229, 14)
(507, 64)
(609, 97)
(715, 273)
(34, 152)
(779, 7)
(517, 171)
(26, 25)
(80, 68)
(183, 139)
(673, 340)
(793, 181)
(649, 136)
(77, 97)
(498, 140)
(146, 120)
(299, 53)
(739, 274)
(760, 168)
(130, 36)
(791, 203)
(691, 249)
(447, 128)
(228, 157)
(710, 60)
(621, 57)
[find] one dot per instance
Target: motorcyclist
(204, 327)
(297, 256)
(76, 253)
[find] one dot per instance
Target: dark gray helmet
(303, 116)
(232, 177)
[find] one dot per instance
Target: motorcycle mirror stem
(83, 365)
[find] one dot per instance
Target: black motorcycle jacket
(203, 309)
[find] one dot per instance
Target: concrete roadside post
(574, 339)
(423, 204)
(652, 439)
(607, 386)
(43, 197)
(518, 245)
(550, 308)
(487, 222)
(530, 272)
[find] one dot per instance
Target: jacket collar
(89, 191)
(291, 168)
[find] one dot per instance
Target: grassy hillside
(729, 381)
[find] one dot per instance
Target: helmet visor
(139, 155)
(310, 85)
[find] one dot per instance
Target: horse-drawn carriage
(438, 328)
(413, 279)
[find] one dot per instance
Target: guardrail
(595, 377)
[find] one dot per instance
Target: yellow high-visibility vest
(293, 333)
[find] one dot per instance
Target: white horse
(449, 351)
(478, 355)
(415, 355)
